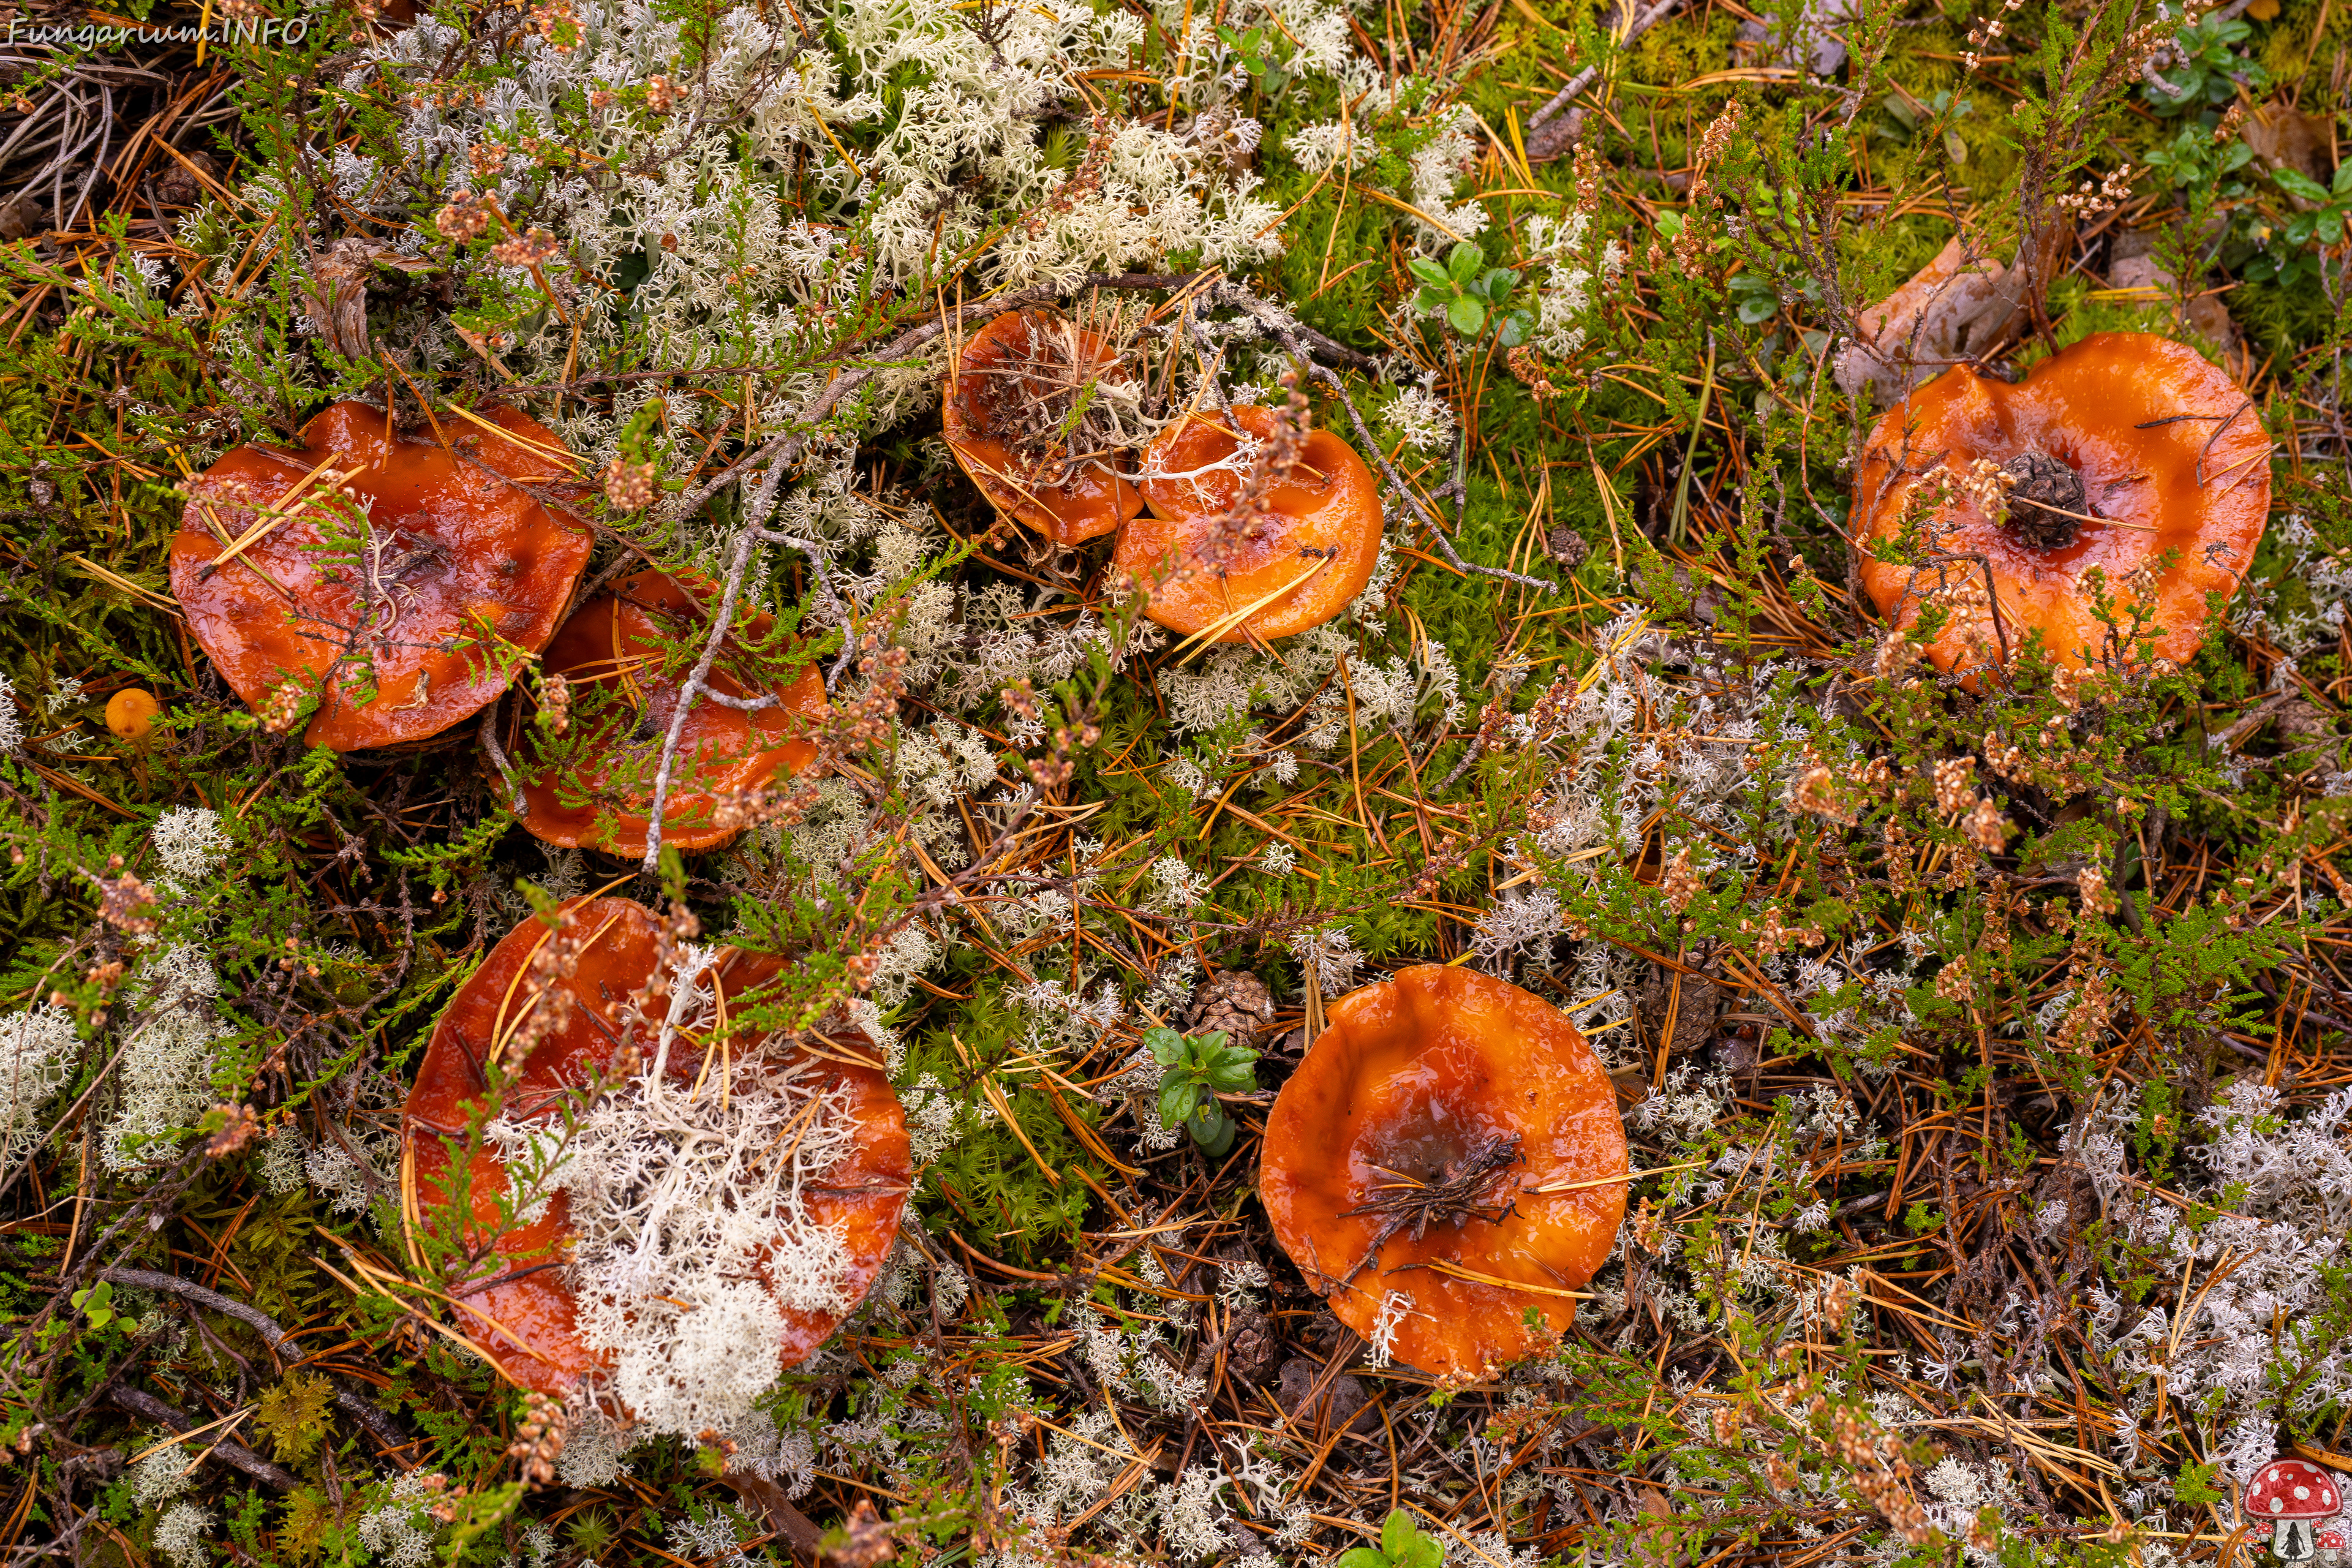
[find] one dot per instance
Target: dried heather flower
(1896, 652)
(629, 486)
(527, 249)
(1774, 933)
(1816, 793)
(127, 904)
(1529, 372)
(279, 709)
(239, 1126)
(1681, 882)
(661, 94)
(539, 1441)
(555, 704)
(466, 217)
(1955, 788)
(1986, 827)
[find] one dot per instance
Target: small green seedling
(1257, 49)
(1467, 290)
(2211, 71)
(97, 1303)
(2320, 225)
(1198, 1067)
(1403, 1545)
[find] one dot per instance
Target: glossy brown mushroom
(528, 1321)
(447, 571)
(1016, 382)
(2115, 450)
(1450, 1102)
(593, 785)
(1295, 567)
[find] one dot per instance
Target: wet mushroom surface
(1441, 1164)
(592, 784)
(1253, 556)
(2110, 454)
(1031, 413)
(399, 577)
(812, 1146)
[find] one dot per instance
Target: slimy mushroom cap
(594, 788)
(1299, 566)
(1016, 382)
(2114, 451)
(529, 1322)
(446, 562)
(1450, 1099)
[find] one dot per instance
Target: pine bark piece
(1954, 308)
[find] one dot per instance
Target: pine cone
(1235, 1002)
(1252, 1353)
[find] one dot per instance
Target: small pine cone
(1251, 1355)
(1237, 1003)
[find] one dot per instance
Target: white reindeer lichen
(693, 1233)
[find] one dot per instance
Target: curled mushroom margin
(592, 784)
(1235, 556)
(1017, 387)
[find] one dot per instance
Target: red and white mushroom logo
(2292, 1495)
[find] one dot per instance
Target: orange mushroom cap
(1297, 573)
(2155, 449)
(131, 714)
(595, 786)
(462, 555)
(529, 1323)
(1014, 383)
(1444, 1079)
